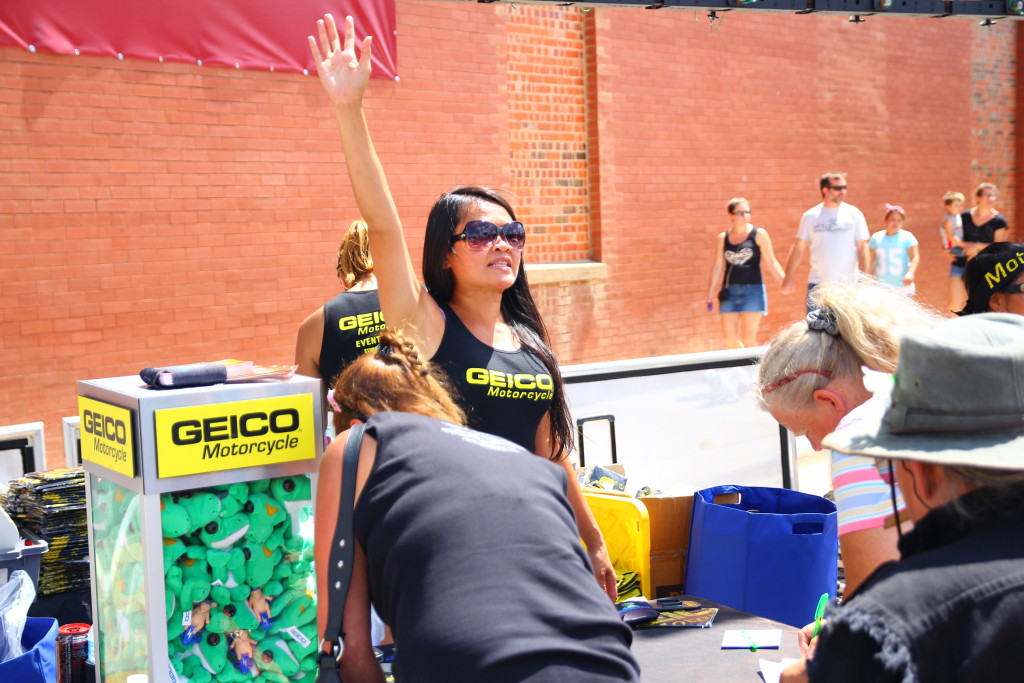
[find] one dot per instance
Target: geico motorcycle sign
(226, 436)
(106, 435)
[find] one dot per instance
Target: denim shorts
(745, 299)
(955, 270)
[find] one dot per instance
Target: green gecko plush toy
(265, 516)
(192, 669)
(306, 646)
(202, 507)
(261, 562)
(195, 576)
(295, 609)
(226, 566)
(173, 517)
(232, 497)
(213, 652)
(286, 662)
(232, 618)
(223, 533)
(174, 550)
(287, 489)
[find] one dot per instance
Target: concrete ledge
(575, 271)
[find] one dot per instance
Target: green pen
(818, 614)
(753, 643)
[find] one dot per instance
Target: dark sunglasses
(742, 213)
(481, 235)
(886, 470)
(837, 188)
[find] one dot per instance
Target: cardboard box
(670, 535)
(670, 538)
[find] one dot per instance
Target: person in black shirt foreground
(465, 542)
(952, 607)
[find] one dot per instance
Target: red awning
(245, 34)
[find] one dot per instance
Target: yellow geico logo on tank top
(364, 324)
(521, 385)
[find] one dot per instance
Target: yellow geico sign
(226, 436)
(106, 435)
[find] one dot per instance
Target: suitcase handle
(611, 427)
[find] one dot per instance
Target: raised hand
(343, 74)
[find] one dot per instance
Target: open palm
(343, 74)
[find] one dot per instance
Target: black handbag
(723, 293)
(339, 570)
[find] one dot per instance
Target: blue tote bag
(772, 554)
(39, 662)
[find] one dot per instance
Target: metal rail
(985, 11)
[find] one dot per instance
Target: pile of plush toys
(238, 575)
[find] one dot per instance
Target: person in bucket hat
(995, 280)
(952, 607)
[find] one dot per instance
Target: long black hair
(517, 304)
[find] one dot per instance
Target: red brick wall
(163, 213)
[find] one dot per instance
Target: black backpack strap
(339, 569)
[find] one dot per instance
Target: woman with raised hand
(464, 542)
(475, 317)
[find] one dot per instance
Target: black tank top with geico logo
(352, 324)
(503, 392)
(743, 261)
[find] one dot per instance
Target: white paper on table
(772, 671)
(744, 638)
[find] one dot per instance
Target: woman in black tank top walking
(738, 253)
(478, 321)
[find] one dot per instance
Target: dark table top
(696, 654)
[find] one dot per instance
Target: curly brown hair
(394, 378)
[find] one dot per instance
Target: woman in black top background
(983, 224)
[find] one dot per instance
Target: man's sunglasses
(481, 235)
(837, 188)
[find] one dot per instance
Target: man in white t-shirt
(836, 234)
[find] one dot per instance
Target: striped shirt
(863, 499)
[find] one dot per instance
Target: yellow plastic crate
(627, 533)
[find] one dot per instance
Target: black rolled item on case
(191, 375)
